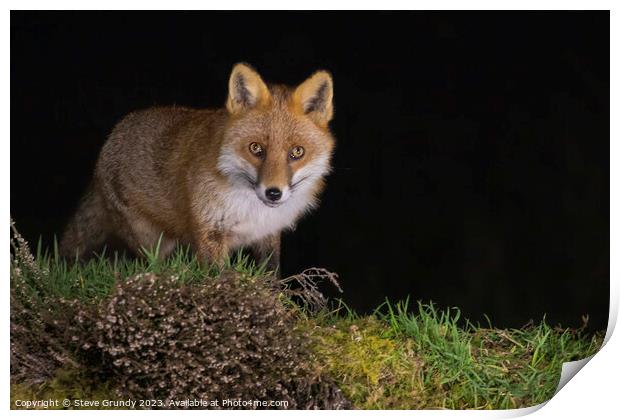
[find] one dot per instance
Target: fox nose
(273, 194)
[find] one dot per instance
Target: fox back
(217, 179)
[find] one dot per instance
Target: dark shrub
(225, 338)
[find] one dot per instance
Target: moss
(66, 384)
(373, 371)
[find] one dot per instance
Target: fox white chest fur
(248, 220)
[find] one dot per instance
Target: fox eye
(256, 149)
(296, 152)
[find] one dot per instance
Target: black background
(472, 166)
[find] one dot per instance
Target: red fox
(214, 179)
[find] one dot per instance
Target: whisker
(244, 176)
(296, 184)
(293, 186)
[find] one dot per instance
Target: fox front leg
(211, 247)
(267, 251)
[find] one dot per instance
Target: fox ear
(246, 89)
(314, 97)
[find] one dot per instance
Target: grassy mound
(424, 358)
(174, 330)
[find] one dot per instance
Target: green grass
(402, 356)
(95, 278)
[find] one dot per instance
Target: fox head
(277, 141)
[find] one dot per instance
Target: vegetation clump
(227, 338)
(425, 358)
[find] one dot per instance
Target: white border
(312, 5)
(593, 393)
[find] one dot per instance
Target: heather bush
(226, 337)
